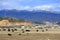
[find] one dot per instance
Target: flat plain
(31, 36)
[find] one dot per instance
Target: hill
(12, 19)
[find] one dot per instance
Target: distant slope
(32, 15)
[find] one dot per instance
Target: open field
(30, 36)
(51, 34)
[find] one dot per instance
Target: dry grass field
(30, 36)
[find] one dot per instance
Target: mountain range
(35, 15)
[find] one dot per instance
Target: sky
(49, 5)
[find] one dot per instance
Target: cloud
(17, 5)
(26, 8)
(5, 3)
(43, 7)
(51, 7)
(20, 0)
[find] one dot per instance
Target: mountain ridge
(32, 15)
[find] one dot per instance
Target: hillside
(12, 19)
(11, 22)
